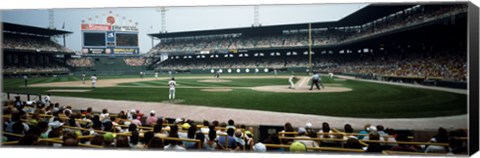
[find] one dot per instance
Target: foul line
(303, 81)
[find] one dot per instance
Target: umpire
(316, 80)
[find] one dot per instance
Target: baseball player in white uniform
(94, 80)
(83, 78)
(290, 80)
(172, 84)
(331, 75)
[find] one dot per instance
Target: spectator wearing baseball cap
(185, 127)
(108, 139)
(302, 134)
(152, 119)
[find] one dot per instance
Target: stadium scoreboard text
(107, 39)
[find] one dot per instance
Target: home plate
(68, 90)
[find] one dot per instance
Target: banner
(124, 28)
(96, 51)
(125, 51)
(99, 27)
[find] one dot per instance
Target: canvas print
(355, 78)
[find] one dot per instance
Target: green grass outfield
(369, 100)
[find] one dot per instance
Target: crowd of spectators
(299, 38)
(81, 62)
(412, 16)
(135, 61)
(50, 124)
(32, 43)
(36, 69)
(442, 65)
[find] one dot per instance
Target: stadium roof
(367, 14)
(17, 28)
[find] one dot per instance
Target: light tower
(256, 15)
(51, 19)
(163, 11)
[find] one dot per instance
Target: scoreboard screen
(126, 39)
(94, 39)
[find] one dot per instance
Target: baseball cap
(186, 126)
(152, 112)
(259, 147)
(372, 128)
(178, 120)
(248, 133)
(308, 125)
(298, 147)
(55, 124)
(301, 130)
(108, 136)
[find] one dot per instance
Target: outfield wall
(109, 66)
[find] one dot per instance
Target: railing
(315, 148)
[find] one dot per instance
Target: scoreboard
(109, 39)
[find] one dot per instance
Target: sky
(180, 18)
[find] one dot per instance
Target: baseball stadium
(386, 79)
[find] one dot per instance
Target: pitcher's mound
(285, 89)
(213, 81)
(216, 90)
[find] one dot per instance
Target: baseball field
(340, 97)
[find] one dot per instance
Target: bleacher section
(37, 124)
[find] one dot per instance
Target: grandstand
(401, 64)
(347, 46)
(29, 51)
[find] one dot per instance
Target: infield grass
(370, 100)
